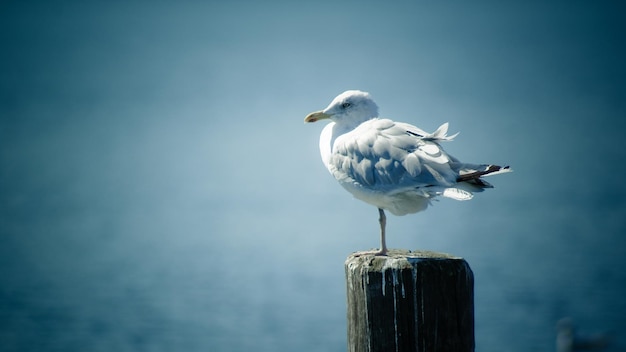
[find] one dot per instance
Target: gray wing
(387, 156)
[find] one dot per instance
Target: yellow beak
(315, 116)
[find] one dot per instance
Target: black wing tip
(494, 168)
(475, 177)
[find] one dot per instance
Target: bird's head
(351, 107)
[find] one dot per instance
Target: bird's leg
(383, 221)
(383, 245)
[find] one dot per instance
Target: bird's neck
(347, 124)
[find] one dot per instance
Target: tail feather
(471, 181)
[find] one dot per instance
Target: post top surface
(395, 258)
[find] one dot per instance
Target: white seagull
(392, 165)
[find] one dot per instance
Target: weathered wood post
(409, 301)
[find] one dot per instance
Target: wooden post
(409, 301)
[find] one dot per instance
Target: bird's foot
(374, 252)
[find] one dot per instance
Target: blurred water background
(160, 192)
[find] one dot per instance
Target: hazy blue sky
(147, 146)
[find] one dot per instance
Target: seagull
(393, 166)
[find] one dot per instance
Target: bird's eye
(345, 105)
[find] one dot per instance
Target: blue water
(159, 191)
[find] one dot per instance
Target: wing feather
(383, 155)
